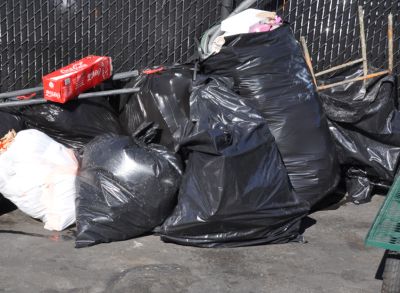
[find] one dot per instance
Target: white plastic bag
(240, 23)
(38, 175)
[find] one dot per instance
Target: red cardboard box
(68, 82)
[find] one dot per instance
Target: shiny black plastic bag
(269, 70)
(9, 121)
(163, 99)
(235, 190)
(75, 123)
(365, 124)
(6, 205)
(125, 189)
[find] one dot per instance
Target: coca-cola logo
(74, 68)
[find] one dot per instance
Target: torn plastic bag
(365, 125)
(38, 175)
(75, 123)
(163, 99)
(125, 189)
(9, 121)
(269, 70)
(235, 190)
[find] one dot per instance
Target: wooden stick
(338, 67)
(308, 58)
(372, 75)
(390, 42)
(362, 40)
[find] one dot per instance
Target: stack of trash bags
(235, 154)
(233, 191)
(124, 187)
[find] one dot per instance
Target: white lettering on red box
(52, 94)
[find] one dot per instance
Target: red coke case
(67, 83)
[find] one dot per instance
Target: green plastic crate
(385, 231)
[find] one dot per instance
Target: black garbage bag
(365, 124)
(9, 121)
(6, 205)
(75, 123)
(163, 99)
(125, 189)
(235, 190)
(269, 70)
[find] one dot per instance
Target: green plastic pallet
(385, 231)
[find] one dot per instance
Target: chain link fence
(37, 37)
(332, 31)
